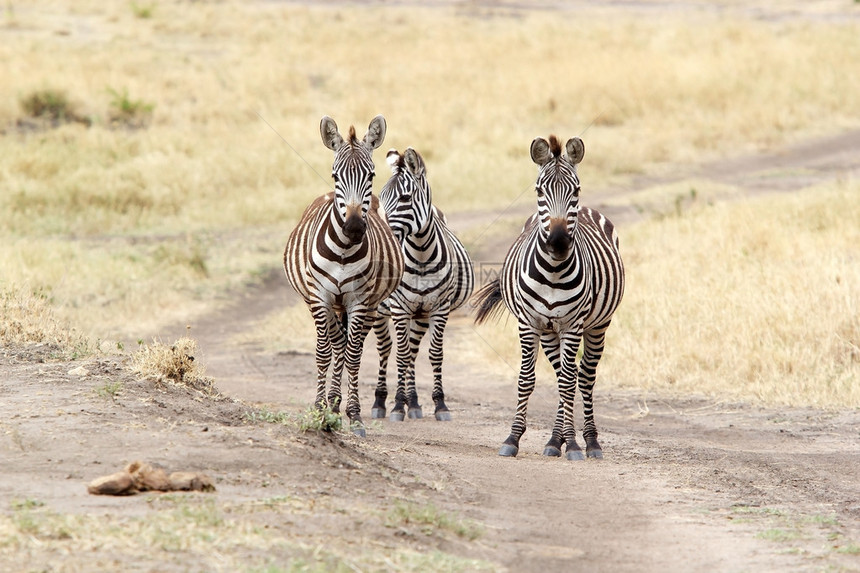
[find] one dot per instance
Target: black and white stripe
(562, 279)
(438, 278)
(344, 261)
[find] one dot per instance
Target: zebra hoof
(359, 431)
(415, 414)
(596, 454)
(443, 416)
(575, 455)
(508, 451)
(552, 451)
(377, 413)
(397, 416)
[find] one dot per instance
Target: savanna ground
(722, 138)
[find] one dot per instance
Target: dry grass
(173, 363)
(196, 533)
(757, 299)
(127, 226)
(27, 318)
(754, 300)
(655, 87)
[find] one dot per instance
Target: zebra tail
(487, 301)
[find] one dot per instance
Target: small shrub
(127, 111)
(320, 420)
(52, 106)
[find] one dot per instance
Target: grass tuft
(127, 111)
(142, 11)
(431, 519)
(109, 390)
(174, 363)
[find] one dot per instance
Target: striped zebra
(438, 278)
(562, 279)
(344, 261)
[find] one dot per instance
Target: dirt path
(687, 484)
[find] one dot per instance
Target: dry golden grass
(174, 363)
(756, 299)
(27, 318)
(129, 225)
(740, 300)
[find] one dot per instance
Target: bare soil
(687, 483)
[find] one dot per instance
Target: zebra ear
(330, 135)
(540, 151)
(375, 132)
(414, 162)
(575, 150)
(393, 159)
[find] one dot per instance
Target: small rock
(79, 371)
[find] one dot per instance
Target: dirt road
(687, 484)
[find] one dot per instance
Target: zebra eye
(539, 191)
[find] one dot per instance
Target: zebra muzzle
(355, 226)
(560, 240)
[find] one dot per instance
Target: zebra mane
(395, 161)
(352, 138)
(554, 146)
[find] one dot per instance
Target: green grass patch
(316, 419)
(430, 520)
(109, 390)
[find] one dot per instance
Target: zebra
(438, 278)
(343, 260)
(562, 279)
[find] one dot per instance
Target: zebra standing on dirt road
(562, 279)
(344, 261)
(438, 278)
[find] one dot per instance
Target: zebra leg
(383, 346)
(324, 321)
(525, 387)
(593, 342)
(552, 349)
(337, 330)
(567, 392)
(401, 331)
(358, 329)
(419, 328)
(437, 333)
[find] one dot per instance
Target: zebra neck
(425, 235)
(332, 237)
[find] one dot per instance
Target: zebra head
(406, 196)
(557, 188)
(353, 171)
